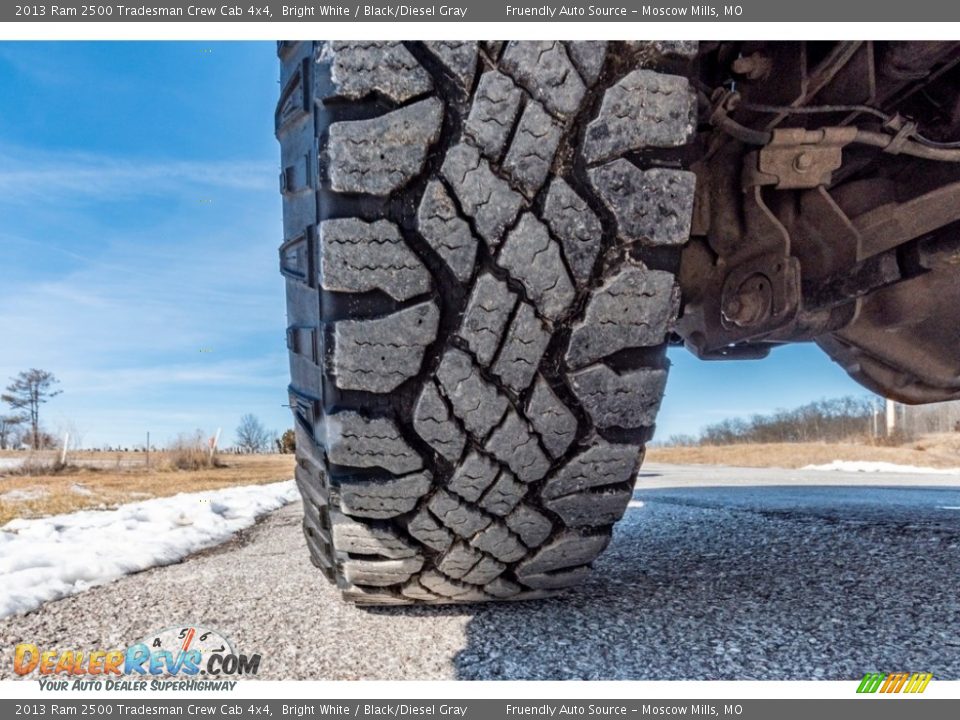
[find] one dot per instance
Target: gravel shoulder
(776, 581)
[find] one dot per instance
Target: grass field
(105, 479)
(938, 451)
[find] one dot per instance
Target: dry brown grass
(37, 464)
(190, 452)
(938, 451)
(97, 479)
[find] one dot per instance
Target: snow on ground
(861, 466)
(22, 494)
(10, 463)
(48, 558)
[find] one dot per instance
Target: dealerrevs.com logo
(175, 658)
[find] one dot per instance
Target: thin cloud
(267, 371)
(29, 177)
(202, 279)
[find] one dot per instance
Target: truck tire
(481, 242)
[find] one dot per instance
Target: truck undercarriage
(827, 209)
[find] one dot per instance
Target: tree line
(833, 420)
(29, 390)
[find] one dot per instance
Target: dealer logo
(175, 652)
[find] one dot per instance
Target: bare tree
(252, 436)
(28, 391)
(8, 429)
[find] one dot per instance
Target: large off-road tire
(480, 248)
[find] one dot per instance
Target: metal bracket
(798, 159)
(759, 296)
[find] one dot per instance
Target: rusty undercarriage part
(828, 210)
(821, 148)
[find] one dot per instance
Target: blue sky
(139, 222)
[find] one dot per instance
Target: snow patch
(860, 466)
(21, 494)
(49, 558)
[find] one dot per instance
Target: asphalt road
(769, 574)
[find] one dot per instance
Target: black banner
(618, 11)
(874, 708)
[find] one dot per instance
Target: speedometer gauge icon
(190, 637)
(179, 641)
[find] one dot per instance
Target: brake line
(814, 109)
(901, 144)
(822, 109)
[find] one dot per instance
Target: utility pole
(213, 444)
(148, 448)
(891, 417)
